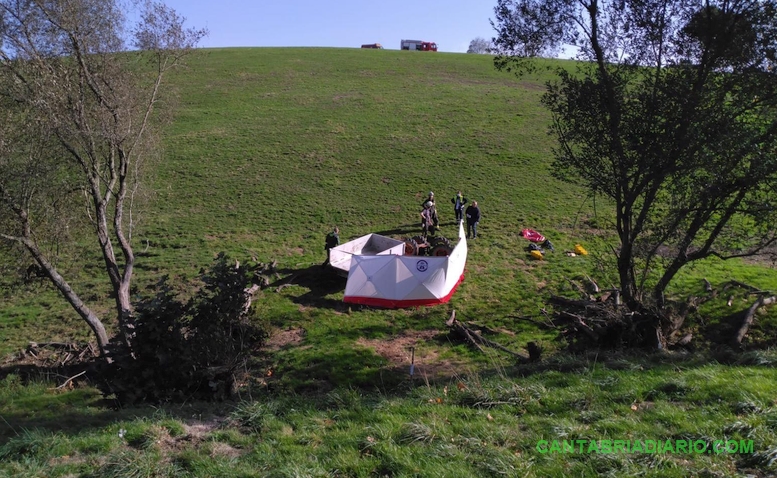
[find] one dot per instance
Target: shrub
(190, 349)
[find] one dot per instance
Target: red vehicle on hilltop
(418, 45)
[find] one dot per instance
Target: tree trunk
(627, 282)
(666, 278)
(71, 296)
(119, 282)
(126, 311)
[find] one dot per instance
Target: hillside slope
(270, 147)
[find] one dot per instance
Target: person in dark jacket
(458, 205)
(473, 218)
(332, 240)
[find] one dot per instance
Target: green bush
(186, 349)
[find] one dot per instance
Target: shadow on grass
(337, 367)
(320, 283)
(28, 403)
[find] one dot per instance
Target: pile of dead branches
(52, 355)
(600, 321)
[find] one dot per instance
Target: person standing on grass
(427, 220)
(473, 218)
(332, 240)
(458, 206)
(430, 199)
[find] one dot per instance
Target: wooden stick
(577, 286)
(68, 381)
(536, 322)
(594, 287)
(742, 285)
(476, 339)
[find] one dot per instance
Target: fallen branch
(593, 287)
(476, 339)
(289, 282)
(555, 299)
(740, 284)
(68, 381)
(578, 287)
(580, 324)
(749, 316)
(551, 325)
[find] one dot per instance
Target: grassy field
(270, 148)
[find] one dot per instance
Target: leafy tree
(480, 46)
(77, 129)
(192, 348)
(672, 114)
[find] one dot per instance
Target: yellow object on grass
(579, 249)
(536, 254)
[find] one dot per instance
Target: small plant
(417, 432)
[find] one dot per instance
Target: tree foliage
(479, 46)
(671, 113)
(191, 348)
(77, 129)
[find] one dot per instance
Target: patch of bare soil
(397, 350)
(195, 435)
(284, 338)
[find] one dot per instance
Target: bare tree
(479, 46)
(77, 127)
(672, 114)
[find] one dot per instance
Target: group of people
(430, 221)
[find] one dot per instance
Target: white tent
(405, 281)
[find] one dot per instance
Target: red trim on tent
(398, 304)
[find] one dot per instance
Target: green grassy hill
(271, 147)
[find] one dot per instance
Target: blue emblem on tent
(421, 266)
